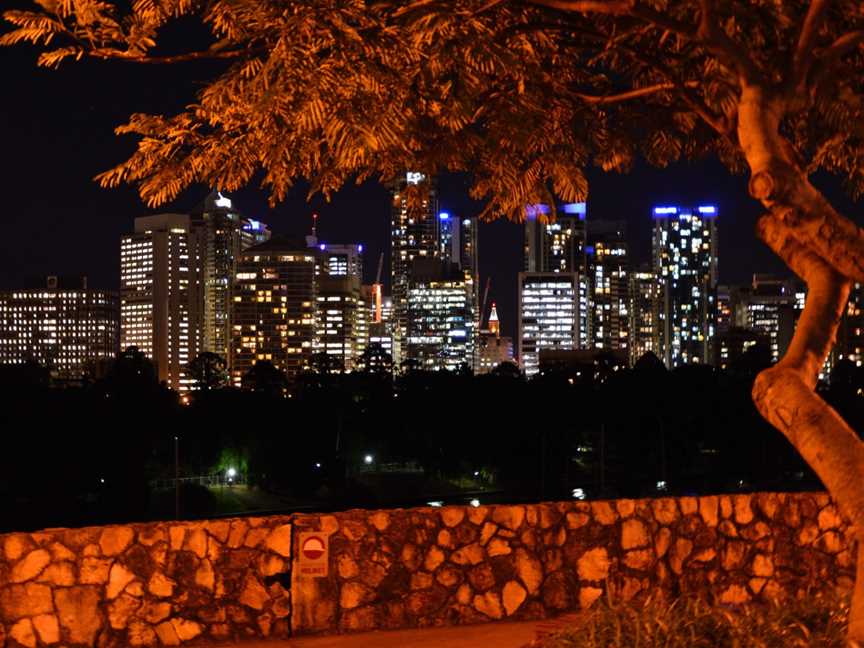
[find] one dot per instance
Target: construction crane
(483, 305)
(377, 289)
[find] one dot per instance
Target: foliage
(816, 620)
(375, 360)
(523, 94)
(209, 370)
(265, 377)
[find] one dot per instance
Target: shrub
(816, 620)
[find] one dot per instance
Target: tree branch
(206, 55)
(621, 8)
(718, 43)
(803, 57)
(612, 7)
(635, 93)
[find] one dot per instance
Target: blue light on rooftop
(253, 225)
(575, 208)
(443, 215)
(533, 211)
(360, 248)
(322, 246)
(707, 209)
(663, 211)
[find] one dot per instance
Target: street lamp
(368, 459)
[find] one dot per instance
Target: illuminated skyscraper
(218, 234)
(273, 307)
(457, 241)
(341, 329)
(769, 307)
(685, 264)
(558, 246)
(850, 334)
(609, 285)
(643, 313)
(551, 315)
(155, 300)
(414, 234)
(441, 317)
(66, 329)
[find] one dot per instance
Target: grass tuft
(814, 621)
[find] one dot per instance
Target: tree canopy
(523, 94)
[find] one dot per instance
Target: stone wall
(147, 584)
(167, 583)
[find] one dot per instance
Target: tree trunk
(826, 250)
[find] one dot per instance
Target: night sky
(56, 129)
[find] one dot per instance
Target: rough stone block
(513, 597)
(509, 517)
(30, 566)
(115, 540)
(47, 628)
(78, 609)
(30, 599)
(489, 604)
(594, 564)
(22, 632)
(634, 534)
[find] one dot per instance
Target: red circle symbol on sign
(313, 548)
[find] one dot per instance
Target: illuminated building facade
(609, 285)
(551, 315)
(218, 234)
(342, 260)
(380, 325)
(492, 349)
(155, 314)
(685, 263)
(850, 334)
(733, 344)
(341, 324)
(558, 246)
(441, 317)
(457, 241)
(274, 300)
(66, 329)
(769, 308)
(414, 235)
(643, 313)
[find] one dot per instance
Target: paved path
(484, 635)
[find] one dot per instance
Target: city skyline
(59, 232)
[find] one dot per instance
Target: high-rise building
(381, 329)
(850, 333)
(414, 235)
(685, 263)
(341, 329)
(342, 260)
(274, 299)
(551, 315)
(218, 234)
(608, 280)
(441, 316)
(155, 275)
(643, 313)
(66, 327)
(457, 241)
(769, 308)
(555, 246)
